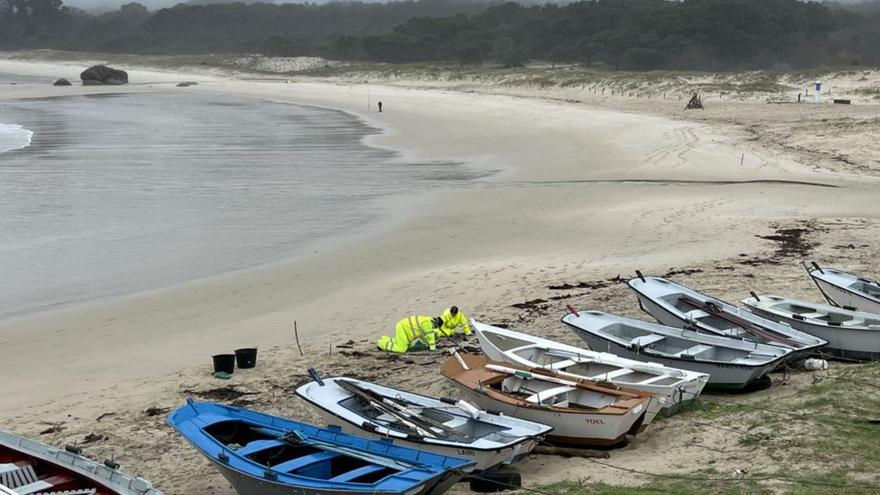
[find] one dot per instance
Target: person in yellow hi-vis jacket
(452, 319)
(412, 333)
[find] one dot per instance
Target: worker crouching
(453, 320)
(415, 333)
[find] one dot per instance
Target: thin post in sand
(296, 336)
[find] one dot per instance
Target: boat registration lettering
(466, 452)
(595, 421)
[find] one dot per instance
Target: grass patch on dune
(812, 437)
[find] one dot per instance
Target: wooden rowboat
(679, 306)
(850, 334)
(28, 467)
(447, 427)
(581, 412)
(730, 363)
(261, 454)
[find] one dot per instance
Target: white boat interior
(824, 313)
(650, 338)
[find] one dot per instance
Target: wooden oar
(414, 416)
(746, 325)
(358, 392)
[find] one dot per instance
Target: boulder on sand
(101, 74)
(61, 82)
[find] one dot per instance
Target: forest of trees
(619, 34)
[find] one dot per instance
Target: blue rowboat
(261, 454)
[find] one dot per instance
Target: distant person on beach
(380, 107)
(416, 333)
(452, 320)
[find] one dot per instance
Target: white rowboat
(847, 290)
(679, 306)
(850, 334)
(730, 363)
(673, 387)
(442, 426)
(581, 413)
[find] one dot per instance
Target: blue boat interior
(285, 454)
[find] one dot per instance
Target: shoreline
(574, 201)
(391, 210)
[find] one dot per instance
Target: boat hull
(246, 484)
(852, 343)
(726, 376)
(585, 430)
(840, 296)
(484, 459)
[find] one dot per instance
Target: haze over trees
(619, 34)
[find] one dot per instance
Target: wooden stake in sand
(296, 336)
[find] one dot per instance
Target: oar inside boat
(760, 334)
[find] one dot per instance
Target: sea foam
(14, 137)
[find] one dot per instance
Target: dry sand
(584, 192)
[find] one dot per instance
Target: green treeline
(624, 34)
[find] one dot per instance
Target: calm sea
(119, 194)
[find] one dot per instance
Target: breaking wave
(14, 137)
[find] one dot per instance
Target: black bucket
(246, 358)
(224, 363)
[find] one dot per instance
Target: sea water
(109, 195)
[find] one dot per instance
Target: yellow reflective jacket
(418, 328)
(451, 323)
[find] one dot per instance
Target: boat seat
(565, 363)
(356, 473)
(696, 314)
(646, 340)
(18, 476)
(539, 397)
(40, 486)
(5, 468)
(750, 359)
(657, 379)
(32, 488)
(258, 445)
(813, 315)
(301, 462)
(611, 375)
(858, 322)
(695, 350)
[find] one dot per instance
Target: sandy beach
(583, 191)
